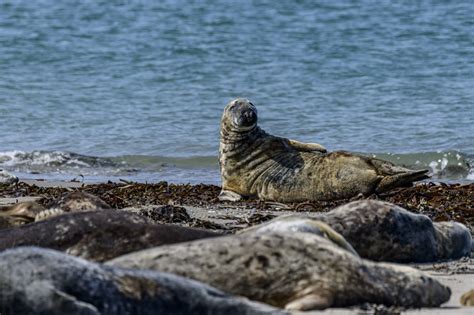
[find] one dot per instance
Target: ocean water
(135, 89)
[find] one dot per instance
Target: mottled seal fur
(98, 235)
(19, 213)
(256, 164)
(78, 201)
(467, 299)
(41, 281)
(382, 231)
(300, 271)
(294, 223)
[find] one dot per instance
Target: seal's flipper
(405, 179)
(335, 237)
(306, 147)
(227, 195)
(309, 302)
(58, 301)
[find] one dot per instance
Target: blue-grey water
(135, 89)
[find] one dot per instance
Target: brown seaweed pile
(439, 201)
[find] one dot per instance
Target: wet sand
(198, 206)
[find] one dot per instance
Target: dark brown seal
(254, 163)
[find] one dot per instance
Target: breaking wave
(448, 165)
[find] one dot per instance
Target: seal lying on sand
(99, 235)
(254, 163)
(41, 281)
(300, 271)
(383, 232)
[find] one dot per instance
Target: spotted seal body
(381, 231)
(20, 213)
(300, 271)
(254, 163)
(78, 201)
(292, 223)
(98, 235)
(43, 281)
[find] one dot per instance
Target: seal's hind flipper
(227, 195)
(309, 302)
(404, 179)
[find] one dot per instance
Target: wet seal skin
(99, 235)
(297, 271)
(382, 231)
(43, 281)
(254, 163)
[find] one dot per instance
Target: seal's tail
(395, 176)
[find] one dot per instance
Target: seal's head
(239, 115)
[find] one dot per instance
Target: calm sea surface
(135, 89)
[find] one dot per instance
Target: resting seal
(300, 271)
(98, 235)
(43, 281)
(381, 231)
(254, 163)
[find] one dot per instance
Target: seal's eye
(251, 104)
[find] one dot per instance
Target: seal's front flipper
(309, 302)
(227, 195)
(306, 147)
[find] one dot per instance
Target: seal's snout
(243, 113)
(247, 118)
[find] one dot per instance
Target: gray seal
(382, 231)
(43, 281)
(256, 164)
(297, 271)
(77, 201)
(98, 235)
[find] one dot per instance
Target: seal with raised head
(299, 271)
(256, 164)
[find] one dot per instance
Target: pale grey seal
(98, 235)
(256, 164)
(43, 281)
(383, 231)
(300, 271)
(7, 178)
